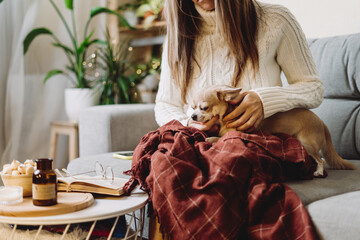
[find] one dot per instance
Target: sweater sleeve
(305, 89)
(168, 104)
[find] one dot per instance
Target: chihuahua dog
(303, 124)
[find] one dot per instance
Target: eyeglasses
(101, 172)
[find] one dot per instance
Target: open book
(83, 183)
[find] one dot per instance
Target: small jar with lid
(44, 192)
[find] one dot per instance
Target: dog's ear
(228, 93)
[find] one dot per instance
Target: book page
(96, 181)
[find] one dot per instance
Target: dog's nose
(194, 117)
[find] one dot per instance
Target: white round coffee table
(102, 208)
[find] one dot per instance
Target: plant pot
(148, 88)
(77, 99)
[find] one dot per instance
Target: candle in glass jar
(11, 195)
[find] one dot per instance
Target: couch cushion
(337, 182)
(342, 116)
(109, 128)
(338, 62)
(337, 217)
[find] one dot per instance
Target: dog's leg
(311, 144)
(320, 165)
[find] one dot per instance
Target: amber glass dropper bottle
(44, 192)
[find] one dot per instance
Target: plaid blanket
(231, 189)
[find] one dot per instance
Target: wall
(324, 18)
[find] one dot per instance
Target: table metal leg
(38, 232)
(128, 229)
(13, 232)
(65, 231)
(142, 221)
(113, 228)
(91, 230)
(138, 225)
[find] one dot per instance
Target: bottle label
(44, 191)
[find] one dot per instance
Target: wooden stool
(65, 128)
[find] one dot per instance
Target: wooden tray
(67, 202)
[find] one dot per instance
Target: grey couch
(333, 202)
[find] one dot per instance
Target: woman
(241, 43)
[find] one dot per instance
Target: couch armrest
(112, 128)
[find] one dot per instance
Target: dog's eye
(204, 108)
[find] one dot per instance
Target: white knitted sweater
(282, 47)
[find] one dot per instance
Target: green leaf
(97, 41)
(1, 1)
(97, 10)
(69, 4)
(65, 48)
(85, 43)
(32, 35)
(124, 89)
(52, 73)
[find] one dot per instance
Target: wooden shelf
(156, 28)
(143, 40)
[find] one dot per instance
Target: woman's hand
(248, 115)
(210, 127)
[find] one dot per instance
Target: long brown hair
(237, 22)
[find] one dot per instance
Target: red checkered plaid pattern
(231, 189)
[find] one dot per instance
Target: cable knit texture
(282, 46)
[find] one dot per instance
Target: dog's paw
(320, 168)
(318, 173)
(212, 139)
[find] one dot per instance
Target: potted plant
(150, 11)
(76, 54)
(148, 76)
(128, 10)
(123, 81)
(118, 82)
